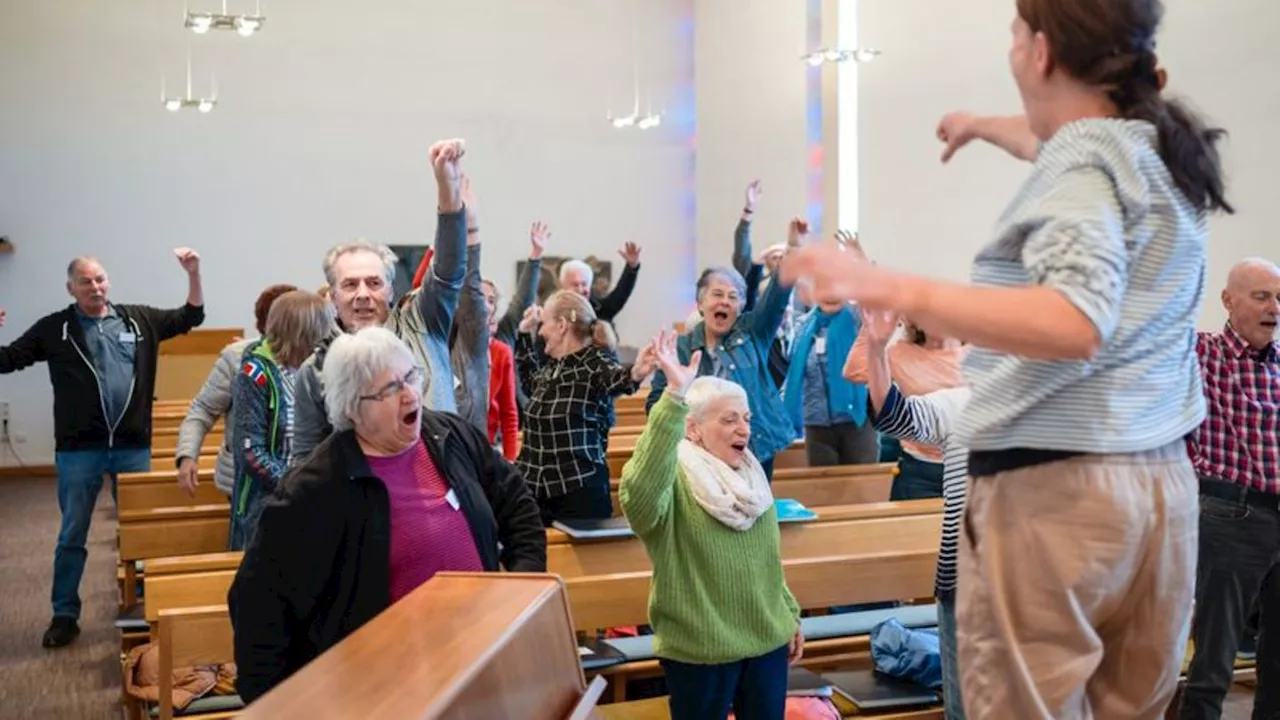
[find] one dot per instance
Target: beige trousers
(1076, 580)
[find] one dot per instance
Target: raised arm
(612, 304)
(1011, 133)
(526, 294)
(26, 351)
(743, 259)
(438, 299)
(614, 378)
(648, 479)
(529, 354)
(469, 346)
(250, 401)
(767, 317)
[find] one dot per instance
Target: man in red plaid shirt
(1236, 453)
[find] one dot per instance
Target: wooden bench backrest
(165, 442)
(799, 540)
(187, 637)
(601, 601)
(187, 590)
(158, 489)
(165, 532)
(922, 519)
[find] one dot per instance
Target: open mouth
(411, 418)
(1269, 324)
(739, 446)
(720, 316)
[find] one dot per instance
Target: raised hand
(753, 195)
(631, 253)
(531, 319)
(879, 326)
(189, 260)
(468, 196)
(679, 377)
(445, 161)
(834, 275)
(955, 130)
(2, 314)
(646, 363)
(849, 241)
(539, 234)
(797, 231)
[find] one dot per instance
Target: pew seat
(816, 627)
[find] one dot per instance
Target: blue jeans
(80, 474)
(954, 707)
(755, 688)
(916, 479)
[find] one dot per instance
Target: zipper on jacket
(102, 398)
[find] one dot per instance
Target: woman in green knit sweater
(726, 627)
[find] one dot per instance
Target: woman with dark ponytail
(565, 356)
(1078, 552)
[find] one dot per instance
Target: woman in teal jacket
(262, 399)
(735, 346)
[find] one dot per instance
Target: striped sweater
(1100, 221)
(718, 595)
(931, 419)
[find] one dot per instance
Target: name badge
(452, 498)
(820, 345)
(128, 337)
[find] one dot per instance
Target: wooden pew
(620, 452)
(165, 442)
(192, 636)
(185, 361)
(820, 486)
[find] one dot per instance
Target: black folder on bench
(597, 655)
(871, 690)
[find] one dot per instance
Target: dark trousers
(841, 444)
(1266, 694)
(1238, 541)
(916, 479)
(589, 502)
(755, 689)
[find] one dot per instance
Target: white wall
(752, 95)
(320, 135)
(939, 56)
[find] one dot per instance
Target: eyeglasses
(411, 379)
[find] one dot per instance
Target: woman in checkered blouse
(565, 356)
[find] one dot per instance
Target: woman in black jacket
(395, 495)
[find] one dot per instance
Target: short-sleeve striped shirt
(1101, 221)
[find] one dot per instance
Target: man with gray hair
(577, 276)
(102, 362)
(361, 275)
(1236, 453)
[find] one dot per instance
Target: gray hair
(74, 266)
(569, 266)
(389, 259)
(353, 361)
(706, 390)
(729, 275)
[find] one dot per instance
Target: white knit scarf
(733, 497)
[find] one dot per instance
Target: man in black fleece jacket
(102, 363)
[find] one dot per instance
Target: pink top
(429, 531)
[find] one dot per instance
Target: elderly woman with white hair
(395, 495)
(725, 625)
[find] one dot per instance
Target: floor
(83, 681)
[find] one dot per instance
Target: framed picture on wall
(603, 270)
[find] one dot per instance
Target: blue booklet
(593, 529)
(792, 511)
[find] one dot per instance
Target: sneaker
(62, 631)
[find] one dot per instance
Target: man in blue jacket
(102, 363)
